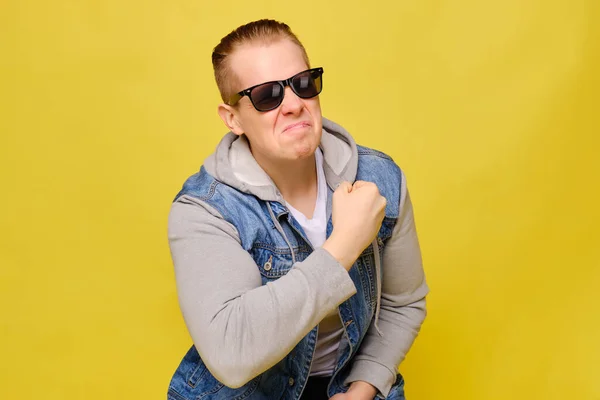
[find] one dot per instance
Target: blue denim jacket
(274, 252)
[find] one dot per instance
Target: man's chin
(304, 152)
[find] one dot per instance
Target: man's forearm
(379, 356)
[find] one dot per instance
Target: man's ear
(230, 118)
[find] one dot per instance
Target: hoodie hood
(233, 164)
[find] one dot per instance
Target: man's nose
(291, 104)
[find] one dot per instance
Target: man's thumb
(345, 187)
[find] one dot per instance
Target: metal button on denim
(268, 264)
(291, 381)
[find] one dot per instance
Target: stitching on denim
(280, 250)
(312, 341)
(211, 190)
(214, 390)
(275, 274)
(251, 389)
(190, 380)
(372, 152)
(173, 394)
(365, 279)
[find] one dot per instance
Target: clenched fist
(357, 213)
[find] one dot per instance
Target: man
(297, 262)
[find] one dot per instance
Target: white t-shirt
(330, 328)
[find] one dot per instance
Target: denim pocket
(208, 387)
(272, 262)
(193, 381)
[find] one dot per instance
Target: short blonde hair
(264, 31)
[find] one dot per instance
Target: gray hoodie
(242, 328)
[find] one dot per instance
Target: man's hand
(357, 213)
(359, 390)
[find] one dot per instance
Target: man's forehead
(256, 63)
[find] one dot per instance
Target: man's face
(290, 132)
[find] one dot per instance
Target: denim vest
(274, 255)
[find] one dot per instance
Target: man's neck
(296, 180)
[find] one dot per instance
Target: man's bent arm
(240, 327)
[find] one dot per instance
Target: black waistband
(316, 388)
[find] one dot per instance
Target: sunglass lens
(307, 84)
(267, 97)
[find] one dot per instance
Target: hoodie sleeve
(239, 326)
(402, 305)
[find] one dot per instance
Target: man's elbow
(231, 373)
(228, 358)
(236, 382)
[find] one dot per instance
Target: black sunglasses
(269, 95)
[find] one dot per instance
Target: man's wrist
(337, 251)
(362, 390)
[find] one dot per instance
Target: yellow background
(489, 107)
